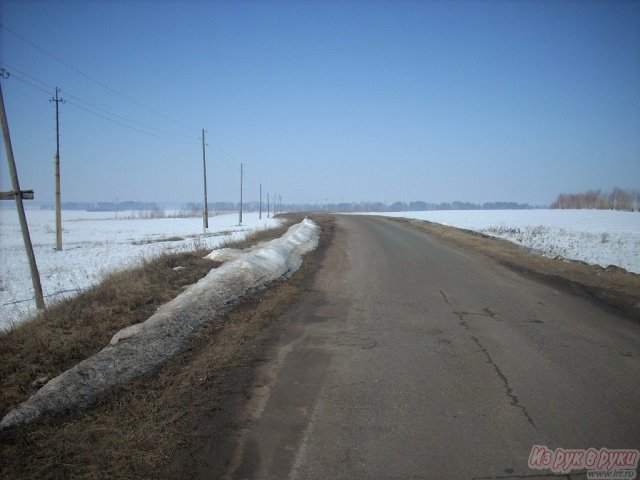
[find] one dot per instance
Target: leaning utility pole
(205, 213)
(240, 194)
(57, 101)
(260, 208)
(18, 195)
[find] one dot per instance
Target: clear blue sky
(435, 101)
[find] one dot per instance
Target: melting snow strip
(141, 348)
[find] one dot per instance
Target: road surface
(413, 360)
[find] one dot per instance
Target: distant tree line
(226, 207)
(415, 206)
(104, 206)
(617, 199)
(194, 209)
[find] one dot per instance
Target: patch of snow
(94, 244)
(224, 254)
(600, 237)
(140, 348)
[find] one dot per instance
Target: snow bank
(140, 348)
(96, 243)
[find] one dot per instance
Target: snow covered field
(95, 243)
(601, 237)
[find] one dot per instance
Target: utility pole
(260, 210)
(19, 195)
(280, 203)
(241, 173)
(268, 207)
(57, 100)
(205, 213)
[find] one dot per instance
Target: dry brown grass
(73, 329)
(76, 328)
(162, 426)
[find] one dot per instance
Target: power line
(77, 105)
(219, 155)
(89, 77)
(222, 158)
(30, 84)
(128, 126)
(127, 119)
(14, 69)
(92, 105)
(115, 92)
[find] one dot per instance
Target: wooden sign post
(19, 195)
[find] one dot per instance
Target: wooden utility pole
(260, 208)
(268, 207)
(57, 101)
(205, 213)
(19, 195)
(241, 194)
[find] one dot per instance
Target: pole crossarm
(25, 194)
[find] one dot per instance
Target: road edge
(612, 287)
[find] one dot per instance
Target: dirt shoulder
(155, 427)
(612, 286)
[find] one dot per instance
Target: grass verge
(70, 330)
(141, 429)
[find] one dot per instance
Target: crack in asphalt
(514, 398)
(486, 313)
(446, 299)
(514, 401)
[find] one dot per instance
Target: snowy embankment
(140, 348)
(94, 244)
(600, 237)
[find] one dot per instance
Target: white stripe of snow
(140, 348)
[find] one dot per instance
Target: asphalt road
(414, 360)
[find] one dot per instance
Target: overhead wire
(77, 105)
(29, 83)
(248, 178)
(221, 156)
(164, 132)
(103, 116)
(89, 77)
(13, 70)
